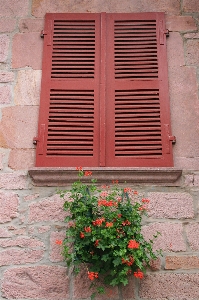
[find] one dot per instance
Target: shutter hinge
(43, 33)
(172, 138)
(166, 32)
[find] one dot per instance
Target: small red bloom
(133, 244)
(135, 192)
(98, 222)
(143, 207)
(82, 235)
(138, 274)
(96, 243)
(115, 181)
(87, 229)
(59, 242)
(126, 223)
(109, 224)
(119, 215)
(92, 275)
(145, 200)
(87, 173)
(126, 190)
(79, 168)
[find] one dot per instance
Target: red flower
(98, 222)
(125, 223)
(87, 173)
(126, 190)
(133, 244)
(79, 168)
(145, 200)
(143, 207)
(119, 215)
(135, 192)
(59, 242)
(87, 229)
(138, 274)
(109, 224)
(115, 181)
(92, 275)
(96, 243)
(82, 235)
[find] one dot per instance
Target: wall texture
(31, 217)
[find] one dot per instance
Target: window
(104, 97)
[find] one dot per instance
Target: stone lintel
(45, 176)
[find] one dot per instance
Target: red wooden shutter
(69, 109)
(137, 103)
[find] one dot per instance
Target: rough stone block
(170, 286)
(82, 288)
(7, 25)
(4, 46)
(180, 23)
(6, 76)
(8, 206)
(128, 291)
(190, 6)
(55, 249)
(192, 52)
(18, 126)
(20, 159)
(43, 229)
(31, 25)
(40, 7)
(22, 242)
(31, 197)
(192, 35)
(27, 88)
(170, 238)
(5, 94)
(196, 180)
(10, 8)
(39, 282)
(50, 209)
(4, 233)
(23, 256)
(192, 232)
(181, 262)
(170, 205)
(155, 264)
(13, 181)
(31, 44)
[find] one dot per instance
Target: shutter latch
(35, 140)
(172, 138)
(43, 33)
(166, 32)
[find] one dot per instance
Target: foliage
(104, 232)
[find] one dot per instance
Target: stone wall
(31, 217)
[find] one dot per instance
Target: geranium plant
(104, 232)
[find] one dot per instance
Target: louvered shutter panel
(137, 103)
(68, 133)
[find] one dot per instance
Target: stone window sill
(148, 176)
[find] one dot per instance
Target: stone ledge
(65, 176)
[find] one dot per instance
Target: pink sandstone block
(4, 47)
(22, 242)
(190, 6)
(192, 233)
(43, 229)
(7, 25)
(13, 181)
(155, 265)
(17, 230)
(82, 288)
(31, 44)
(180, 23)
(39, 282)
(192, 52)
(170, 286)
(40, 7)
(49, 209)
(10, 8)
(196, 180)
(192, 35)
(55, 249)
(18, 126)
(128, 291)
(6, 76)
(5, 94)
(170, 205)
(8, 206)
(181, 262)
(20, 159)
(31, 25)
(170, 238)
(14, 256)
(27, 88)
